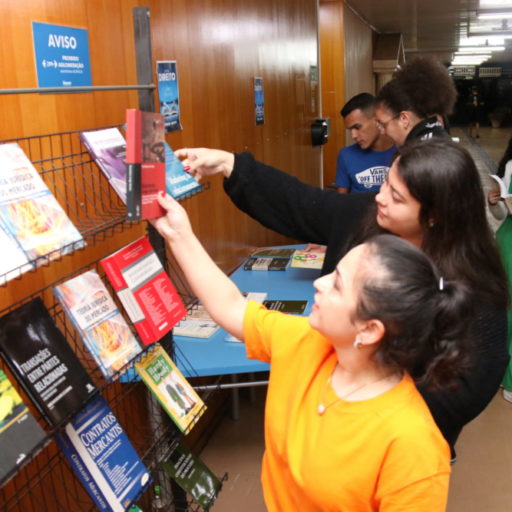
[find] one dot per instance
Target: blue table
(215, 355)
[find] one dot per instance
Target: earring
(358, 343)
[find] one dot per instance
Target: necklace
(322, 407)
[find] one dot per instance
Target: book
(183, 405)
(14, 261)
(178, 183)
(43, 362)
(107, 148)
(102, 457)
(193, 476)
(504, 194)
(103, 330)
(30, 213)
(278, 252)
(265, 263)
(197, 324)
(296, 307)
(145, 160)
(145, 290)
(20, 434)
(307, 259)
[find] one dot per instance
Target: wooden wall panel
(331, 32)
(220, 45)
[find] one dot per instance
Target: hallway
(481, 478)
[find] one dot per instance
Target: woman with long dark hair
(432, 198)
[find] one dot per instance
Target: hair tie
(441, 284)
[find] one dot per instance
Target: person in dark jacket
(428, 175)
(410, 105)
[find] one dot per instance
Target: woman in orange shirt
(345, 427)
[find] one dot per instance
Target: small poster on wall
(168, 92)
(259, 100)
(62, 55)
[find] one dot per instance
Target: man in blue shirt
(363, 167)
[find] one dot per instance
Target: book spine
(133, 136)
(133, 192)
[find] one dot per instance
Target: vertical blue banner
(62, 55)
(259, 100)
(168, 93)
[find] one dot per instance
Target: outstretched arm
(213, 288)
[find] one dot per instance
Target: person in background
(504, 239)
(475, 111)
(363, 166)
(416, 200)
(340, 393)
(409, 106)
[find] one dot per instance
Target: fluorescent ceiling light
(498, 4)
(480, 49)
(483, 40)
(494, 16)
(464, 60)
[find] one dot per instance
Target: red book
(144, 289)
(145, 163)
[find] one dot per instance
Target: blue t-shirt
(362, 170)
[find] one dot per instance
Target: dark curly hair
(426, 331)
(422, 86)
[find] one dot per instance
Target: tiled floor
(482, 477)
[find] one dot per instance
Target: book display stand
(45, 481)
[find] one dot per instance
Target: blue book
(178, 183)
(103, 458)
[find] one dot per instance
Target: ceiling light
(495, 4)
(480, 49)
(464, 60)
(494, 15)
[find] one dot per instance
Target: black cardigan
(284, 204)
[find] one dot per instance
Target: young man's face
(363, 129)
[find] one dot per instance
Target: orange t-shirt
(383, 454)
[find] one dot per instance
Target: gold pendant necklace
(322, 407)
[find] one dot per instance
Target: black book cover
(20, 434)
(287, 306)
(253, 263)
(43, 362)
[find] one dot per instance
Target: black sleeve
(284, 204)
(454, 409)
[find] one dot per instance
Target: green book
(193, 476)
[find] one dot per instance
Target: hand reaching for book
(200, 162)
(175, 222)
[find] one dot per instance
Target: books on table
(103, 458)
(30, 216)
(169, 386)
(43, 362)
(20, 434)
(308, 259)
(296, 307)
(269, 259)
(107, 148)
(103, 330)
(197, 324)
(145, 160)
(144, 289)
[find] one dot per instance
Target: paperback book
(308, 259)
(193, 476)
(173, 391)
(145, 160)
(197, 324)
(296, 307)
(14, 261)
(107, 148)
(178, 183)
(144, 289)
(43, 362)
(29, 212)
(104, 331)
(20, 434)
(265, 263)
(504, 193)
(276, 252)
(102, 457)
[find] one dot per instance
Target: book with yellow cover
(308, 259)
(29, 211)
(170, 387)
